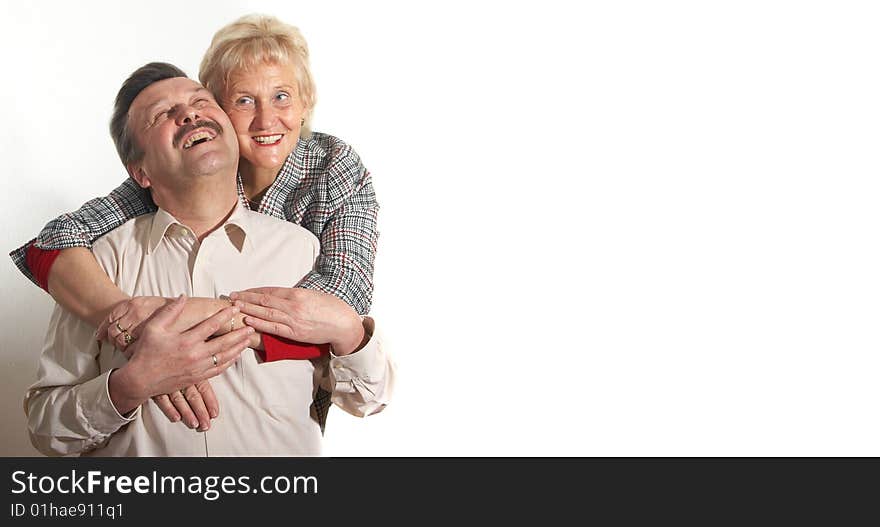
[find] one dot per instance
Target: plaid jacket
(322, 186)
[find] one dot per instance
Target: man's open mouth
(267, 140)
(199, 137)
(196, 133)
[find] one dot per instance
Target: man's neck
(203, 207)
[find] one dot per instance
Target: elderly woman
(258, 70)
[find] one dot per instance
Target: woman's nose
(264, 118)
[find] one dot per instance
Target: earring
(302, 121)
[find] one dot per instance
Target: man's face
(183, 133)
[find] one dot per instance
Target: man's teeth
(198, 137)
(268, 139)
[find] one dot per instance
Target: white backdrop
(621, 229)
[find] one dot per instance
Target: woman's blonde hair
(254, 40)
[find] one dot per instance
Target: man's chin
(211, 163)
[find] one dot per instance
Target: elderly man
(89, 399)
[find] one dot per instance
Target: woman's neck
(256, 180)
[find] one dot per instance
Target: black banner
(429, 489)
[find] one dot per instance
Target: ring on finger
(214, 358)
(120, 328)
(126, 337)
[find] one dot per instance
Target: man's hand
(164, 360)
(302, 315)
(196, 405)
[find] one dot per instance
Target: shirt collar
(238, 228)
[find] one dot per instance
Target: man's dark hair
(144, 76)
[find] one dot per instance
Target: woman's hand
(126, 318)
(303, 315)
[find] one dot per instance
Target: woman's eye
(244, 101)
(282, 97)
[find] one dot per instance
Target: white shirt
(265, 406)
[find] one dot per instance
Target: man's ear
(137, 173)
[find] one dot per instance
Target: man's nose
(187, 115)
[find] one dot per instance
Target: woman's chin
(267, 157)
(266, 162)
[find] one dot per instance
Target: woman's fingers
(101, 332)
(273, 328)
(210, 325)
(281, 292)
(262, 299)
(116, 313)
(272, 313)
(270, 316)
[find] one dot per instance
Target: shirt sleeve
(363, 382)
(69, 410)
(344, 267)
(82, 227)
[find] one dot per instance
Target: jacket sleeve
(349, 237)
(82, 227)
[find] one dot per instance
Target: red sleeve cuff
(280, 348)
(39, 261)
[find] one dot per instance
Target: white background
(620, 229)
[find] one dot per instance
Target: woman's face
(266, 109)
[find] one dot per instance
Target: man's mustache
(187, 128)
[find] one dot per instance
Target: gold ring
(126, 337)
(214, 358)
